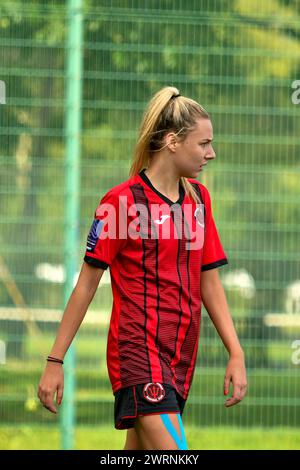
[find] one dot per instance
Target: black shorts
(137, 400)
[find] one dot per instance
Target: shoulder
(203, 189)
(119, 190)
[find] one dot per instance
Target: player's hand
(235, 373)
(51, 381)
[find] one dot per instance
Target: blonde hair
(167, 110)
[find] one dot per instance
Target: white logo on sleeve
(162, 219)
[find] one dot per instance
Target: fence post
(72, 199)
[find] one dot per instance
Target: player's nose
(211, 155)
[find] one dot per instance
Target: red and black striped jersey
(155, 249)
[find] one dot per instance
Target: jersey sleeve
(108, 235)
(213, 252)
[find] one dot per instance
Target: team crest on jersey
(154, 392)
(94, 234)
(199, 215)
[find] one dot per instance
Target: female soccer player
(157, 235)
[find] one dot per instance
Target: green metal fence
(238, 59)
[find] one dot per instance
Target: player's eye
(204, 144)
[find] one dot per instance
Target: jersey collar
(162, 196)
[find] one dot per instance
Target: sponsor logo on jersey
(162, 219)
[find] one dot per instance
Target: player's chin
(192, 173)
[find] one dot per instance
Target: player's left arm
(215, 302)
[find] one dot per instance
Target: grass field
(107, 438)
(267, 419)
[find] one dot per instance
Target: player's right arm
(52, 379)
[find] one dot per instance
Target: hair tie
(175, 96)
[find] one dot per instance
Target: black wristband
(54, 359)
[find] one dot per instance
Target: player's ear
(171, 141)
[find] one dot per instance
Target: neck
(164, 178)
